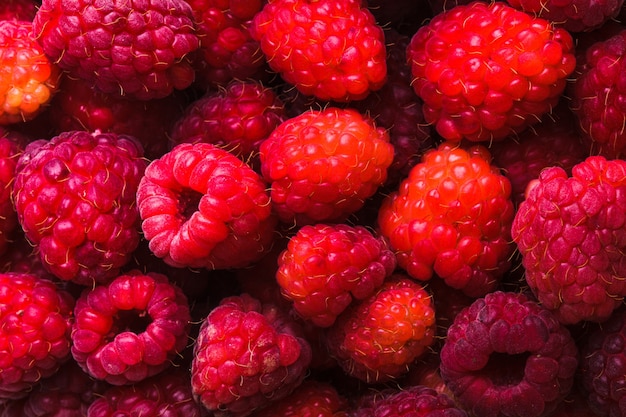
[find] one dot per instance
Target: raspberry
(134, 48)
(323, 164)
(330, 49)
(451, 218)
(35, 322)
(131, 328)
(570, 233)
(377, 339)
(326, 267)
(247, 356)
(75, 200)
(28, 79)
(487, 70)
(202, 207)
(506, 355)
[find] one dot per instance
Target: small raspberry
(134, 48)
(247, 355)
(323, 164)
(506, 355)
(451, 218)
(326, 267)
(486, 70)
(75, 199)
(570, 232)
(378, 338)
(131, 328)
(202, 207)
(330, 49)
(28, 79)
(35, 322)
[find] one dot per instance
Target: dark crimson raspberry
(202, 207)
(35, 323)
(18, 10)
(247, 356)
(570, 232)
(134, 48)
(451, 218)
(130, 329)
(486, 70)
(330, 49)
(506, 355)
(75, 200)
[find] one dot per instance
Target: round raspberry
(247, 355)
(131, 328)
(451, 218)
(486, 70)
(571, 233)
(323, 164)
(75, 200)
(133, 48)
(325, 267)
(378, 338)
(35, 322)
(506, 355)
(203, 207)
(331, 49)
(311, 398)
(28, 78)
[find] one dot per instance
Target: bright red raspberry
(326, 267)
(506, 355)
(131, 328)
(378, 338)
(28, 78)
(323, 164)
(451, 218)
(134, 48)
(486, 70)
(330, 49)
(247, 355)
(571, 234)
(35, 323)
(203, 207)
(311, 398)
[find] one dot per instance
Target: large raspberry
(571, 233)
(506, 355)
(134, 48)
(246, 356)
(331, 49)
(201, 206)
(75, 199)
(486, 70)
(451, 218)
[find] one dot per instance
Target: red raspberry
(452, 217)
(377, 339)
(18, 10)
(571, 233)
(323, 164)
(131, 328)
(203, 207)
(326, 267)
(247, 355)
(487, 70)
(75, 199)
(28, 79)
(35, 322)
(330, 49)
(133, 48)
(506, 355)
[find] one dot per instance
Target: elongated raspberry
(131, 328)
(75, 200)
(486, 70)
(451, 218)
(201, 206)
(134, 48)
